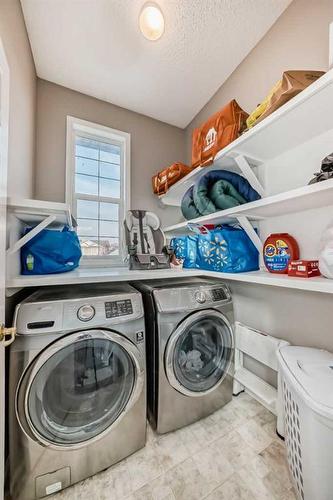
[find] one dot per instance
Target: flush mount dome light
(151, 21)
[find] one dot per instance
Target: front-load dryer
(190, 346)
(77, 395)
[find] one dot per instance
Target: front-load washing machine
(76, 386)
(189, 330)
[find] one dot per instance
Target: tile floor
(233, 454)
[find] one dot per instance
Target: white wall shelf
(95, 275)
(174, 195)
(34, 211)
(102, 275)
(31, 213)
(307, 115)
(297, 200)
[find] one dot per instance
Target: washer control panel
(86, 312)
(200, 297)
(219, 294)
(106, 310)
(118, 308)
(65, 309)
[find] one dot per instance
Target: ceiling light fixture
(151, 21)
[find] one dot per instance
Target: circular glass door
(80, 386)
(199, 352)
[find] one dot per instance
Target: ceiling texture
(96, 47)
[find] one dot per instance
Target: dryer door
(199, 353)
(80, 387)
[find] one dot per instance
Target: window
(98, 186)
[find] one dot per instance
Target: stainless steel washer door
(80, 387)
(199, 353)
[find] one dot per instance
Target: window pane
(97, 175)
(107, 228)
(87, 227)
(109, 211)
(109, 188)
(85, 166)
(109, 246)
(109, 170)
(89, 246)
(104, 246)
(87, 209)
(110, 153)
(86, 184)
(87, 148)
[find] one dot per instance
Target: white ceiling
(95, 47)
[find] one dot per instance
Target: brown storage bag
(169, 176)
(291, 84)
(216, 133)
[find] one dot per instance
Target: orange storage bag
(169, 176)
(216, 133)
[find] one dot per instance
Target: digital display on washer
(118, 308)
(219, 294)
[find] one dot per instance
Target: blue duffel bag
(50, 252)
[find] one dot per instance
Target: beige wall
(153, 144)
(298, 40)
(22, 99)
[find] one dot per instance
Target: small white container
(307, 386)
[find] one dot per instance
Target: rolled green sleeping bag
(216, 190)
(221, 189)
(222, 195)
(188, 208)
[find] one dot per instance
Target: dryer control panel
(191, 297)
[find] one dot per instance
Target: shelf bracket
(31, 234)
(12, 291)
(248, 173)
(248, 228)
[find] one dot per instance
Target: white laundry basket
(307, 384)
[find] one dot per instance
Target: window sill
(105, 262)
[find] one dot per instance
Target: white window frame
(84, 128)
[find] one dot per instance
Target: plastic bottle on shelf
(279, 250)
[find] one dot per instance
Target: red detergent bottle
(279, 250)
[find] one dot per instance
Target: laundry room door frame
(4, 127)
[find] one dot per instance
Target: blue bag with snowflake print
(226, 249)
(185, 248)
